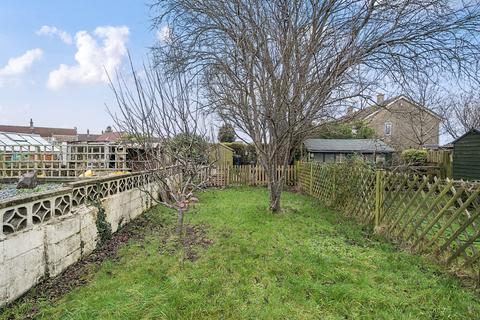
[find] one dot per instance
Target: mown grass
(305, 263)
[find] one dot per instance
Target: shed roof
(348, 145)
(476, 130)
(225, 146)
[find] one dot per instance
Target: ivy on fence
(435, 216)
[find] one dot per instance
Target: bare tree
(422, 121)
(161, 119)
(272, 68)
(462, 112)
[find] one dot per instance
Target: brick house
(401, 122)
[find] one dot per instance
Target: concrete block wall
(45, 250)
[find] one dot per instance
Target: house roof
(41, 131)
(347, 145)
(372, 110)
(109, 136)
(476, 130)
(86, 137)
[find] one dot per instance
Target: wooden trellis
(61, 160)
(436, 216)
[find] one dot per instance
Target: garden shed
(222, 155)
(338, 150)
(466, 156)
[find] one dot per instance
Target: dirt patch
(195, 236)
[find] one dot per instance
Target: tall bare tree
(462, 112)
(273, 67)
(161, 119)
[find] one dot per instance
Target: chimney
(380, 98)
(349, 111)
(88, 132)
(31, 124)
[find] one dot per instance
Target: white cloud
(164, 34)
(18, 65)
(54, 31)
(93, 61)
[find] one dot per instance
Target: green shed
(466, 156)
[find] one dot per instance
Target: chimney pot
(380, 98)
(31, 123)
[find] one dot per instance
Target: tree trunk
(179, 228)
(274, 193)
(274, 188)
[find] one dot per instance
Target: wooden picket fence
(248, 175)
(439, 217)
(443, 159)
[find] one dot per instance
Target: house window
(388, 128)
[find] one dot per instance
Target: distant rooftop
(41, 131)
(347, 145)
(384, 103)
(87, 137)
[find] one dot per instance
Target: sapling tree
(169, 132)
(272, 68)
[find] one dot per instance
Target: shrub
(226, 133)
(353, 130)
(414, 156)
(190, 146)
(251, 157)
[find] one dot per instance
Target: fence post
(334, 185)
(379, 173)
(311, 178)
(296, 169)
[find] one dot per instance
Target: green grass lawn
(305, 263)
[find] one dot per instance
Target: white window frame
(388, 128)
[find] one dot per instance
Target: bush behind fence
(436, 216)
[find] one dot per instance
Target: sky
(54, 55)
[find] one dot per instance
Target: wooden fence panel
(439, 217)
(444, 160)
(250, 175)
